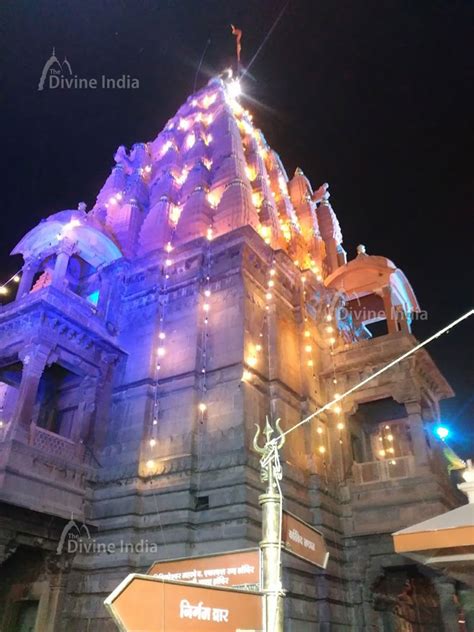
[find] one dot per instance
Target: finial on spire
(361, 250)
(238, 46)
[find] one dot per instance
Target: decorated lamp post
(272, 512)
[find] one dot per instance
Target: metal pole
(270, 545)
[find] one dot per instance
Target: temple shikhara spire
(205, 289)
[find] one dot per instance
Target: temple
(203, 291)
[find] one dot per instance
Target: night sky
(374, 97)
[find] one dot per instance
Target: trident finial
(268, 432)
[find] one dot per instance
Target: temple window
(379, 431)
(57, 400)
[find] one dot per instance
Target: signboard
(142, 603)
(304, 541)
(238, 568)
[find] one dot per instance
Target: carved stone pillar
(417, 432)
(447, 601)
(34, 358)
(85, 411)
(64, 253)
(389, 311)
(28, 274)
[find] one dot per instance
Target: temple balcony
(376, 471)
(394, 467)
(57, 363)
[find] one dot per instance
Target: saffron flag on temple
(144, 602)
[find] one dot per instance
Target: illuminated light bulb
(206, 307)
(168, 247)
(184, 125)
(257, 199)
(150, 464)
(234, 89)
(329, 318)
(310, 363)
(319, 430)
(155, 422)
(251, 173)
(112, 200)
(174, 214)
(258, 347)
(166, 147)
(319, 277)
(147, 169)
(334, 381)
(202, 407)
(3, 290)
(391, 450)
(158, 367)
(271, 283)
(332, 341)
(252, 361)
(308, 348)
(208, 100)
(213, 198)
(272, 271)
(152, 442)
(340, 426)
(246, 375)
(322, 449)
(337, 409)
(380, 439)
(307, 333)
(207, 293)
(390, 437)
(303, 279)
(16, 278)
(297, 263)
(392, 462)
(168, 262)
(161, 352)
(190, 140)
(1, 424)
(209, 234)
(387, 427)
(336, 395)
(329, 329)
(269, 296)
(162, 335)
(382, 452)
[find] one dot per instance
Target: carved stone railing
(376, 471)
(54, 444)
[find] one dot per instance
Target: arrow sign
(142, 603)
(303, 540)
